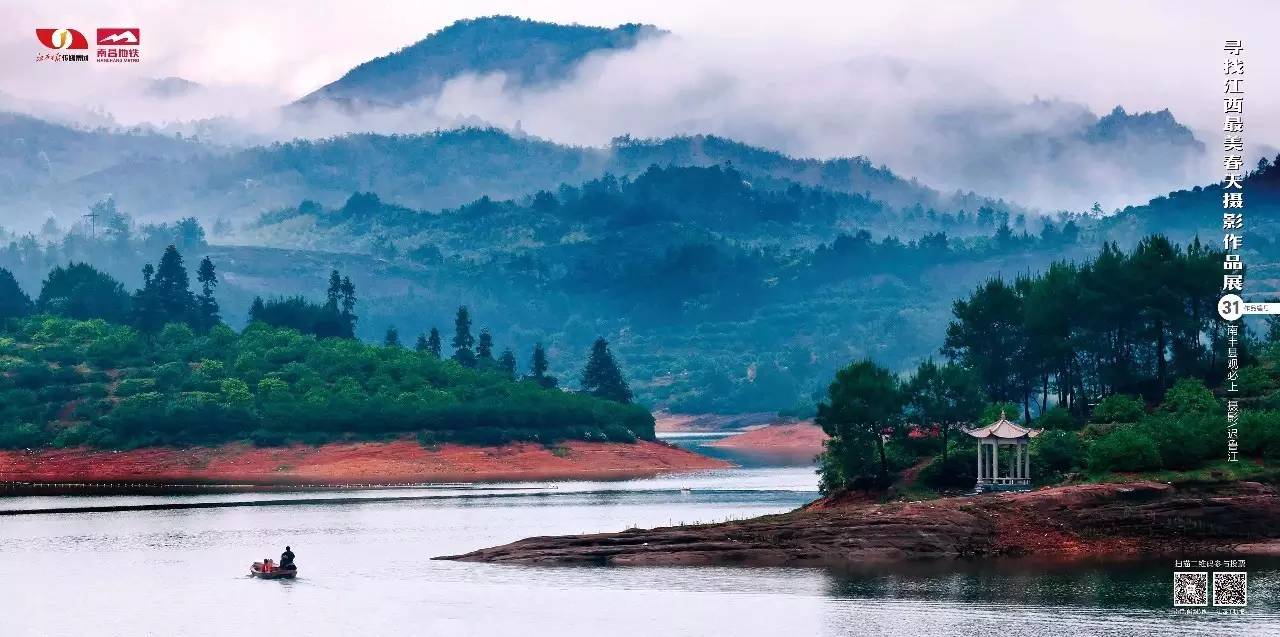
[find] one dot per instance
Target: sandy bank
(351, 463)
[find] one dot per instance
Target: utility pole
(93, 223)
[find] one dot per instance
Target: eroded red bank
(351, 463)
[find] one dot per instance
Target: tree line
(1115, 359)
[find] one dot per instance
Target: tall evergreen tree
(347, 293)
(433, 343)
(13, 301)
(863, 401)
(392, 338)
(80, 291)
(173, 288)
(947, 396)
(538, 367)
(333, 296)
(484, 347)
(602, 377)
(421, 344)
(255, 309)
(507, 363)
(207, 305)
(463, 341)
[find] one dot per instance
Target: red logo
(62, 38)
(119, 37)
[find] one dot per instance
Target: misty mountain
(39, 157)
(526, 52)
(159, 177)
(717, 294)
(166, 87)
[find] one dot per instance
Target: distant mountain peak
(528, 52)
(1158, 126)
(171, 86)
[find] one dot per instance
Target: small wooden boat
(272, 571)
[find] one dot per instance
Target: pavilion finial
(1002, 413)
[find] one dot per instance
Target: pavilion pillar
(980, 445)
(995, 457)
(1027, 460)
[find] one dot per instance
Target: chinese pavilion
(1015, 473)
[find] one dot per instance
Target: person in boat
(286, 558)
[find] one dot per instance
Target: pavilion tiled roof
(1003, 429)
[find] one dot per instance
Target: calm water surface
(365, 569)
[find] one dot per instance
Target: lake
(365, 568)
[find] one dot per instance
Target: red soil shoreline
(367, 463)
(796, 436)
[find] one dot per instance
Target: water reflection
(365, 569)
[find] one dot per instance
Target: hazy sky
(1142, 55)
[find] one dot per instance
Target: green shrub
(1190, 396)
(1056, 451)
(1254, 381)
(22, 436)
(1057, 418)
(1259, 434)
(1011, 411)
(960, 471)
(267, 438)
(92, 390)
(1186, 441)
(1127, 448)
(134, 386)
(1118, 408)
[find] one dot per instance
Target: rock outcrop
(1141, 518)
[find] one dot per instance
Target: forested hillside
(86, 362)
(61, 171)
(718, 293)
(526, 52)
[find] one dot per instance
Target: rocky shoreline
(1071, 522)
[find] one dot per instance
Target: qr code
(1230, 588)
(1190, 589)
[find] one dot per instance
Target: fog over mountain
(947, 127)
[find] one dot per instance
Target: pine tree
(484, 347)
(147, 310)
(334, 295)
(256, 309)
(13, 301)
(347, 292)
(602, 378)
(207, 305)
(538, 368)
(433, 343)
(172, 288)
(462, 339)
(421, 344)
(392, 339)
(82, 292)
(507, 363)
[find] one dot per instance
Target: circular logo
(1230, 307)
(61, 39)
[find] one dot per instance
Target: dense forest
(87, 362)
(721, 290)
(1115, 386)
